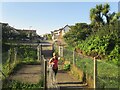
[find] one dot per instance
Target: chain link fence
(105, 73)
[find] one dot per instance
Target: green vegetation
(19, 85)
(24, 55)
(78, 33)
(105, 78)
(11, 34)
(27, 52)
(101, 15)
(107, 72)
(66, 67)
(13, 57)
(100, 37)
(107, 75)
(9, 62)
(103, 43)
(48, 36)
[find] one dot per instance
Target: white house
(65, 29)
(58, 34)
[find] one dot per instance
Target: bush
(66, 65)
(19, 85)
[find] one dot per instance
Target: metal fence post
(95, 73)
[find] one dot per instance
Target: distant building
(10, 29)
(4, 24)
(58, 34)
(29, 33)
(65, 29)
(22, 34)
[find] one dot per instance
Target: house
(12, 33)
(5, 26)
(29, 33)
(65, 29)
(55, 34)
(58, 34)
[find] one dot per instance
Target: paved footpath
(27, 74)
(65, 81)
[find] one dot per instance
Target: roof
(26, 30)
(4, 23)
(60, 29)
(56, 30)
(66, 26)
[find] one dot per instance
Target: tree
(100, 15)
(96, 16)
(78, 33)
(114, 17)
(105, 12)
(48, 36)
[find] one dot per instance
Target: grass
(19, 85)
(86, 65)
(107, 74)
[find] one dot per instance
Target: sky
(47, 16)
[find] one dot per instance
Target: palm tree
(96, 16)
(93, 15)
(105, 11)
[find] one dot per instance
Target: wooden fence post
(9, 59)
(62, 48)
(38, 53)
(9, 53)
(15, 55)
(60, 51)
(95, 73)
(45, 74)
(53, 49)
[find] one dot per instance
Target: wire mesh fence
(10, 60)
(106, 73)
(15, 60)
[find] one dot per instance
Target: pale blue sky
(48, 16)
